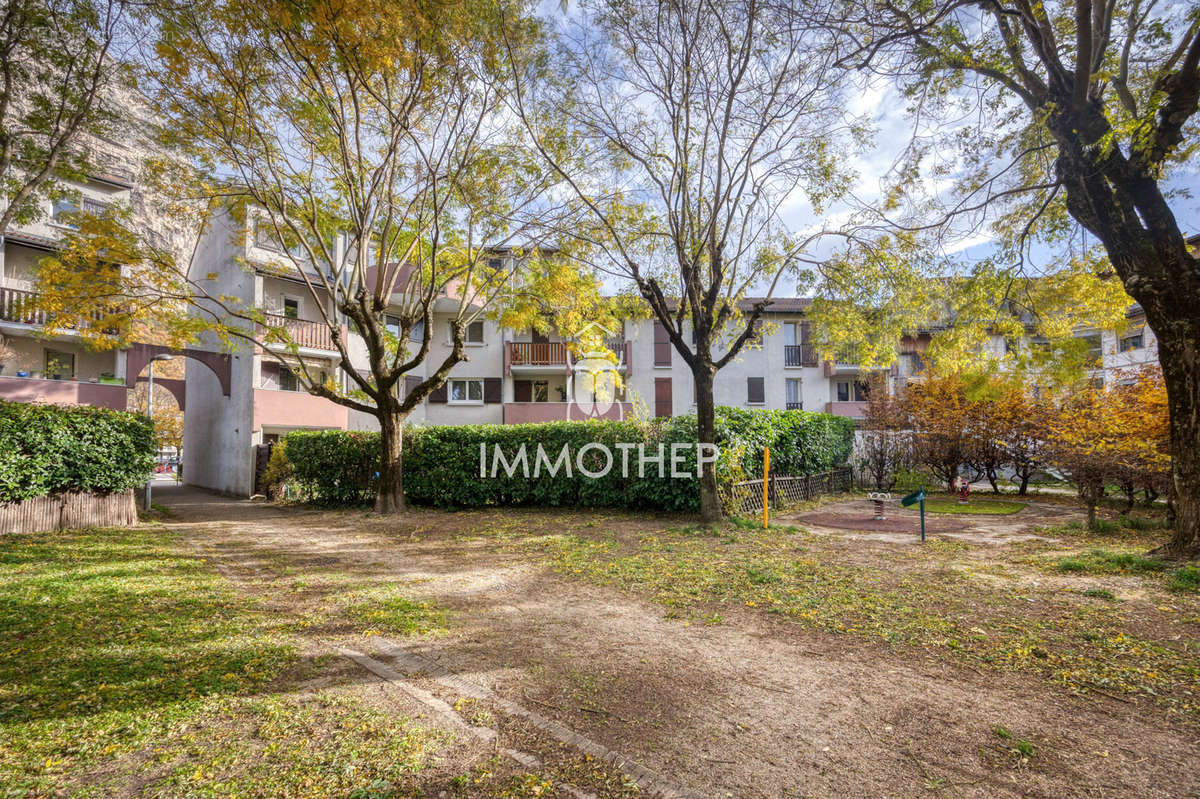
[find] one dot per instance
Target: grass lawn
(128, 666)
(982, 506)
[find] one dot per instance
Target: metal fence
(746, 497)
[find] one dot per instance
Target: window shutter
(662, 396)
(410, 384)
(438, 394)
(522, 391)
(755, 395)
(492, 389)
(662, 345)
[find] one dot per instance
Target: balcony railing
(301, 332)
(537, 353)
(795, 406)
(20, 306)
(799, 355)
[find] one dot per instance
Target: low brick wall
(68, 511)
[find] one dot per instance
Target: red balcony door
(662, 396)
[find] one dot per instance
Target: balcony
(533, 412)
(537, 353)
(854, 410)
(301, 332)
(20, 307)
(63, 392)
(798, 355)
(297, 409)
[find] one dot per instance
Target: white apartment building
(58, 369)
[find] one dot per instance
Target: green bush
(442, 464)
(336, 467)
(49, 449)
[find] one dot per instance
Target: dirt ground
(755, 706)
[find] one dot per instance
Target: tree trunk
(1179, 354)
(1024, 485)
(390, 498)
(706, 432)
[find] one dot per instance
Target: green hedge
(442, 468)
(48, 449)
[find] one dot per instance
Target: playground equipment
(879, 497)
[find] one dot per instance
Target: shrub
(49, 449)
(442, 464)
(336, 467)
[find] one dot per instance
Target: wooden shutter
(755, 393)
(492, 390)
(522, 391)
(662, 396)
(438, 394)
(662, 345)
(410, 384)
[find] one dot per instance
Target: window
(755, 392)
(287, 380)
(495, 264)
(541, 391)
(264, 236)
(466, 390)
(60, 365)
(792, 386)
(417, 333)
(1134, 341)
(392, 325)
(852, 391)
(474, 332)
(291, 307)
(1093, 347)
(790, 339)
(756, 334)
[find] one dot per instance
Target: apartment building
(59, 369)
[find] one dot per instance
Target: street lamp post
(150, 413)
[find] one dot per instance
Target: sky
(883, 106)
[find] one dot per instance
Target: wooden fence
(68, 511)
(746, 497)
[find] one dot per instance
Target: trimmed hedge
(49, 449)
(442, 467)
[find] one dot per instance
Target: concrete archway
(139, 356)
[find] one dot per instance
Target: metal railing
(795, 406)
(799, 355)
(537, 353)
(301, 332)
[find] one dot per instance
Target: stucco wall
(218, 430)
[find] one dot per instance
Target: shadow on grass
(112, 620)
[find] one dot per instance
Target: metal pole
(150, 413)
(922, 518)
(766, 485)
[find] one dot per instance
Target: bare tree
(684, 127)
